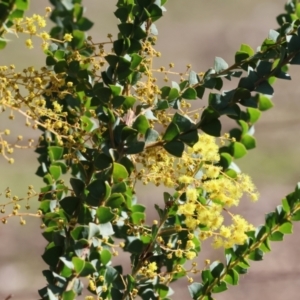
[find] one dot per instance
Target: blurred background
(193, 31)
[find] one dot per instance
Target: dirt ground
(193, 31)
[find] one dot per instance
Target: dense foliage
(108, 119)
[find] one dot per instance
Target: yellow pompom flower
(68, 37)
(29, 44)
(190, 255)
(191, 194)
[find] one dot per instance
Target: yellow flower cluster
(176, 250)
(31, 26)
(208, 191)
(233, 234)
(149, 271)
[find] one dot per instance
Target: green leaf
(50, 295)
(81, 248)
(171, 132)
(151, 136)
(87, 124)
(237, 150)
(16, 14)
(248, 141)
(125, 161)
(102, 161)
(115, 200)
(200, 91)
(210, 123)
(138, 218)
(162, 290)
(173, 94)
(60, 55)
(265, 246)
(78, 39)
(67, 263)
(296, 216)
(253, 114)
(231, 173)
(260, 232)
(264, 68)
(135, 148)
(106, 229)
(115, 89)
(190, 138)
(61, 66)
(138, 208)
(128, 132)
(52, 254)
(241, 93)
(264, 103)
(22, 4)
(175, 148)
(104, 214)
(69, 295)
(232, 277)
(155, 12)
(220, 287)
(123, 69)
(119, 173)
(105, 256)
(183, 123)
(286, 228)
(136, 246)
(50, 60)
(193, 78)
(55, 172)
(225, 160)
(120, 187)
(256, 255)
(212, 127)
(82, 268)
(244, 126)
(195, 290)
(285, 205)
(246, 48)
(273, 35)
(119, 46)
(84, 24)
(94, 230)
(276, 236)
(135, 60)
(55, 153)
(69, 204)
(80, 232)
(189, 94)
(97, 192)
(298, 10)
(77, 186)
(207, 276)
(129, 102)
(220, 64)
(216, 269)
(2, 44)
(240, 56)
(265, 88)
(141, 124)
(162, 104)
(110, 275)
